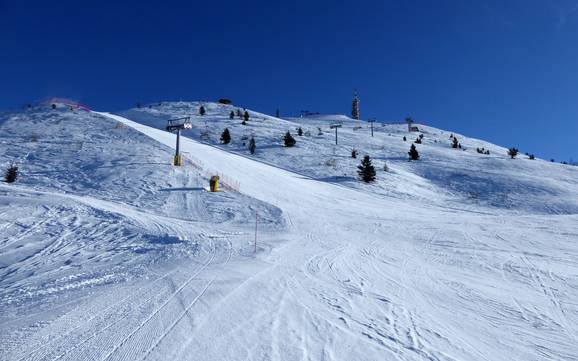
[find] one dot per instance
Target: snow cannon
(214, 183)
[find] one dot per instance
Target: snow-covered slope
(98, 204)
(460, 179)
(415, 267)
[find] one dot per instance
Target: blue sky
(505, 71)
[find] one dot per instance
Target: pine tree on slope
(413, 153)
(366, 171)
(289, 140)
(226, 136)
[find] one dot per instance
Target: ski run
(109, 252)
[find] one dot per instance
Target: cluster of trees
(483, 151)
(242, 115)
(366, 170)
(226, 139)
(455, 142)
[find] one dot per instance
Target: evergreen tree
(246, 116)
(421, 136)
(252, 145)
(299, 131)
(512, 152)
(455, 143)
(202, 110)
(11, 174)
(366, 171)
(404, 138)
(232, 115)
(413, 154)
(531, 156)
(226, 136)
(277, 113)
(289, 140)
(354, 153)
(417, 140)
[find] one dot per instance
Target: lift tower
(176, 125)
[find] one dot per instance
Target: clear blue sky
(501, 70)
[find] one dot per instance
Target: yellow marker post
(214, 183)
(178, 160)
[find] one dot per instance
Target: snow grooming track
(97, 315)
(175, 322)
(156, 312)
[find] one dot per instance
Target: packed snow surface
(107, 252)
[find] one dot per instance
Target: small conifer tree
(413, 153)
(354, 153)
(289, 140)
(299, 131)
(531, 156)
(404, 138)
(232, 115)
(366, 171)
(226, 136)
(277, 113)
(252, 145)
(246, 116)
(202, 110)
(455, 143)
(11, 174)
(512, 152)
(417, 140)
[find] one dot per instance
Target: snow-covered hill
(108, 252)
(459, 179)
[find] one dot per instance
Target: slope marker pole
(256, 221)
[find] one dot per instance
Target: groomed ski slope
(109, 253)
(370, 278)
